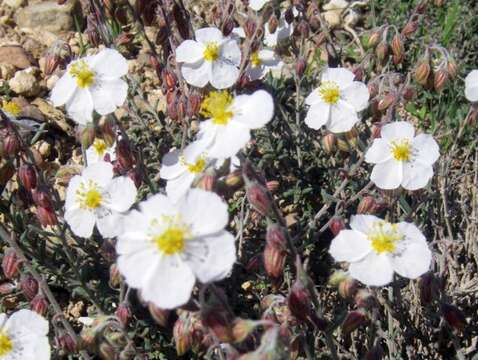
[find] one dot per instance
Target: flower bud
(372, 89)
(367, 205)
(336, 225)
(6, 288)
(233, 180)
(397, 49)
(115, 277)
(454, 317)
(428, 288)
(260, 198)
(29, 286)
(299, 301)
(6, 173)
(329, 142)
(11, 145)
(358, 72)
(66, 343)
(302, 28)
(39, 304)
(452, 68)
(124, 155)
(351, 137)
(273, 24)
(10, 264)
(272, 185)
(169, 79)
(107, 130)
(107, 351)
(409, 28)
(242, 328)
(364, 299)
(300, 66)
(422, 72)
(27, 176)
(86, 135)
(41, 198)
(409, 93)
(161, 316)
(194, 104)
(320, 39)
(374, 39)
(386, 101)
(227, 27)
(289, 15)
(353, 321)
(208, 180)
(440, 79)
(218, 321)
(381, 51)
(46, 216)
(275, 251)
(135, 175)
(182, 336)
(123, 313)
(249, 28)
(376, 130)
(348, 288)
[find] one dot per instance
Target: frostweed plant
(95, 197)
(401, 158)
(92, 83)
(337, 101)
(376, 249)
(167, 245)
(211, 58)
(262, 62)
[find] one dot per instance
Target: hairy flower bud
(368, 205)
(409, 93)
(29, 286)
(386, 101)
(115, 277)
(260, 198)
(397, 49)
(353, 321)
(41, 197)
(39, 304)
(123, 313)
(27, 176)
(428, 288)
(300, 66)
(169, 79)
(374, 38)
(329, 142)
(454, 316)
(182, 336)
(275, 250)
(66, 343)
(348, 288)
(381, 51)
(273, 24)
(422, 72)
(10, 264)
(409, 28)
(218, 321)
(161, 316)
(336, 225)
(46, 216)
(124, 154)
(452, 68)
(86, 135)
(227, 27)
(440, 79)
(299, 301)
(249, 28)
(11, 145)
(194, 104)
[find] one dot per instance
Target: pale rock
(25, 82)
(16, 56)
(14, 4)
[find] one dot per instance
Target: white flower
(210, 58)
(283, 31)
(94, 197)
(376, 249)
(98, 150)
(337, 101)
(402, 158)
(231, 119)
(471, 86)
(24, 336)
(261, 62)
(181, 170)
(166, 245)
(257, 4)
(92, 83)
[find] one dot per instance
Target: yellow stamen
(85, 77)
(384, 237)
(196, 167)
(171, 241)
(100, 146)
(89, 195)
(217, 107)
(255, 59)
(211, 53)
(11, 107)
(402, 150)
(6, 345)
(330, 92)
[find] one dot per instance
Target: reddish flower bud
(376, 130)
(440, 79)
(46, 216)
(182, 336)
(372, 89)
(41, 198)
(374, 39)
(161, 316)
(353, 321)
(422, 72)
(397, 49)
(85, 135)
(409, 93)
(381, 51)
(454, 316)
(386, 101)
(6, 173)
(249, 28)
(299, 301)
(368, 205)
(227, 27)
(302, 28)
(273, 24)
(452, 68)
(135, 175)
(124, 155)
(169, 79)
(364, 299)
(194, 104)
(358, 72)
(329, 142)
(10, 264)
(336, 225)
(348, 288)
(208, 180)
(39, 304)
(123, 313)
(289, 15)
(260, 198)
(66, 343)
(218, 321)
(115, 276)
(27, 176)
(300, 66)
(29, 286)
(428, 288)
(409, 28)
(275, 251)
(272, 185)
(11, 145)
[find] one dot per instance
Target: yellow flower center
(211, 52)
(402, 150)
(217, 107)
(384, 237)
(85, 77)
(329, 92)
(11, 107)
(171, 241)
(89, 195)
(6, 345)
(255, 59)
(99, 146)
(196, 167)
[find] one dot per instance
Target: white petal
(122, 193)
(197, 74)
(42, 349)
(171, 167)
(81, 221)
(256, 72)
(413, 261)
(101, 173)
(110, 64)
(63, 89)
(212, 256)
(363, 223)
(30, 320)
(157, 206)
(169, 283)
(193, 152)
(92, 156)
(398, 130)
(314, 98)
(253, 111)
(223, 74)
(70, 197)
(374, 270)
(109, 95)
(349, 245)
(257, 4)
(209, 34)
(229, 140)
(427, 147)
(238, 32)
(204, 211)
(231, 52)
(416, 175)
(471, 86)
(357, 95)
(269, 57)
(135, 265)
(387, 175)
(341, 76)
(133, 238)
(378, 152)
(189, 51)
(110, 224)
(80, 106)
(342, 117)
(318, 115)
(178, 187)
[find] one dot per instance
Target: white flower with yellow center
(402, 158)
(283, 31)
(92, 83)
(231, 119)
(257, 4)
(24, 336)
(99, 150)
(337, 101)
(471, 86)
(182, 169)
(94, 197)
(376, 249)
(261, 62)
(211, 58)
(167, 244)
